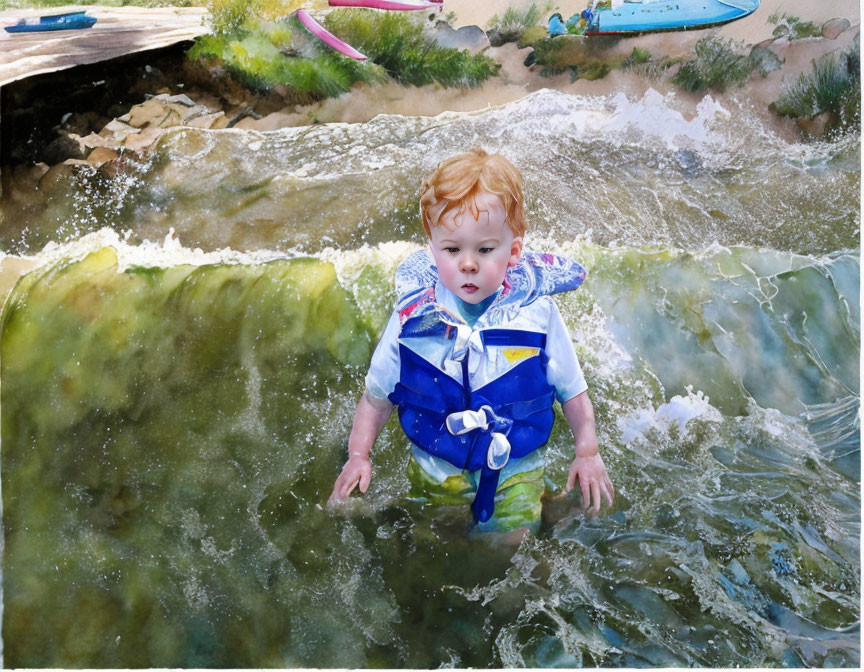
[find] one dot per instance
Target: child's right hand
(357, 471)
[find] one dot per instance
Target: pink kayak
(386, 4)
(327, 37)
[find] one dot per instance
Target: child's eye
(451, 250)
(486, 250)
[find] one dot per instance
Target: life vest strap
(513, 337)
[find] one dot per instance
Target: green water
(173, 421)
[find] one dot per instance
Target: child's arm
(588, 466)
(369, 418)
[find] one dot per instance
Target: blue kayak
(636, 16)
(68, 21)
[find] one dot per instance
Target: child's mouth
(468, 287)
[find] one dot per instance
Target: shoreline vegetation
(259, 69)
(263, 53)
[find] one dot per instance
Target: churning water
(174, 413)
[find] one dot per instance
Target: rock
(101, 155)
(76, 162)
(271, 122)
(232, 92)
(471, 38)
(93, 140)
(241, 117)
(25, 180)
(117, 130)
(37, 171)
(496, 37)
(780, 47)
(152, 113)
(84, 122)
(112, 169)
(765, 60)
(184, 113)
(213, 120)
(209, 101)
(181, 99)
(140, 142)
(814, 126)
(831, 29)
(55, 176)
(246, 123)
(61, 148)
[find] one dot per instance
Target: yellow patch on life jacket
(515, 354)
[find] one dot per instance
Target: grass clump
(397, 43)
(715, 65)
(228, 17)
(793, 27)
(640, 63)
(510, 26)
(267, 54)
(638, 57)
(833, 85)
(590, 71)
(546, 54)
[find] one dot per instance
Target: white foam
(162, 253)
(349, 264)
(679, 411)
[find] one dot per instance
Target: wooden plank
(118, 31)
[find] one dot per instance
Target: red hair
(457, 181)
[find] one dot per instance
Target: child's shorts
(517, 500)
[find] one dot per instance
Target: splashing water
(174, 413)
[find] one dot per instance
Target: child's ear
(515, 251)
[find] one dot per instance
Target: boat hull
(71, 21)
(671, 15)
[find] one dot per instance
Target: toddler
(474, 356)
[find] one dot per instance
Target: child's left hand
(593, 480)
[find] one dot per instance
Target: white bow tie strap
(484, 419)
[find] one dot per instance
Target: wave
(613, 170)
(173, 421)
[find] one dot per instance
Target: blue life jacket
(509, 416)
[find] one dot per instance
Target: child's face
(472, 255)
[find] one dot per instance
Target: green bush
(640, 62)
(396, 42)
(228, 17)
(793, 27)
(589, 71)
(264, 55)
(546, 51)
(638, 57)
(715, 65)
(509, 28)
(833, 85)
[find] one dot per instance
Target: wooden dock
(119, 31)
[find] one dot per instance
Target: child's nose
(468, 263)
